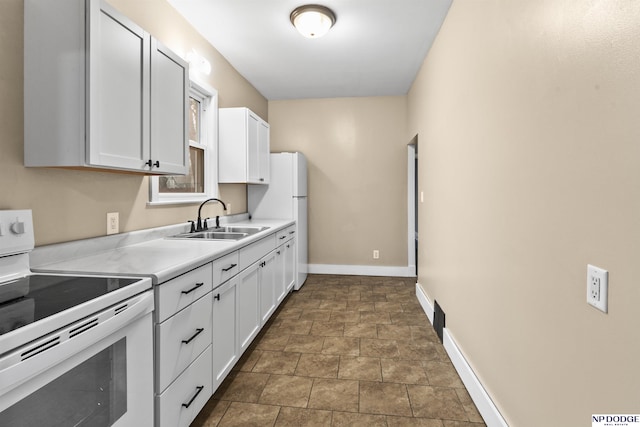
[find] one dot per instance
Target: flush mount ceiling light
(312, 20)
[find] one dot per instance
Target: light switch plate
(597, 287)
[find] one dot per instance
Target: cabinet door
(268, 267)
(169, 99)
(225, 349)
(280, 275)
(290, 270)
(253, 148)
(248, 307)
(118, 82)
(263, 152)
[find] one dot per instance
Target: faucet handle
(193, 226)
(204, 225)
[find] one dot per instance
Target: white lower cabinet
(207, 317)
(178, 293)
(290, 265)
(180, 339)
(225, 348)
(267, 278)
(280, 287)
(183, 320)
(179, 404)
(248, 314)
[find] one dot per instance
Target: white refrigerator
(285, 197)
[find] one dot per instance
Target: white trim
(424, 301)
(360, 270)
(479, 395)
(208, 96)
(411, 207)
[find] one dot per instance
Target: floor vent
(438, 320)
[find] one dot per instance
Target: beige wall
(527, 115)
(357, 155)
(69, 205)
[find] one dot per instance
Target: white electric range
(74, 350)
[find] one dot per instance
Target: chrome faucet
(199, 225)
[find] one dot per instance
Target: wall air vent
(438, 320)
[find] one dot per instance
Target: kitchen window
(200, 183)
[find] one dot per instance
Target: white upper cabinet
(100, 92)
(243, 147)
(169, 109)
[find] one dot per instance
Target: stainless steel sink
(217, 235)
(210, 235)
(221, 233)
(242, 229)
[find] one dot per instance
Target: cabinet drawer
(180, 339)
(176, 294)
(286, 234)
(182, 401)
(225, 268)
(255, 251)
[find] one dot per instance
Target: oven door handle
(31, 360)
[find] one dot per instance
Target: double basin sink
(221, 233)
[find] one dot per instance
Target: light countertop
(145, 254)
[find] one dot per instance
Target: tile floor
(344, 351)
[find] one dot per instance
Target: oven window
(93, 393)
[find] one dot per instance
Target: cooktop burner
(34, 297)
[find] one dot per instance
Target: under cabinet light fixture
(312, 20)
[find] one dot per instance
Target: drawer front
(255, 251)
(286, 234)
(176, 294)
(225, 268)
(182, 401)
(180, 339)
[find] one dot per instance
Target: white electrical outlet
(376, 254)
(113, 223)
(597, 287)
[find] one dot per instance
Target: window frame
(208, 98)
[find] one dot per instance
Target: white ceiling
(375, 48)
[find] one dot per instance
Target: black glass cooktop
(35, 297)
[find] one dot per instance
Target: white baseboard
(360, 270)
(479, 395)
(427, 307)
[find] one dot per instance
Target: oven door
(96, 372)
